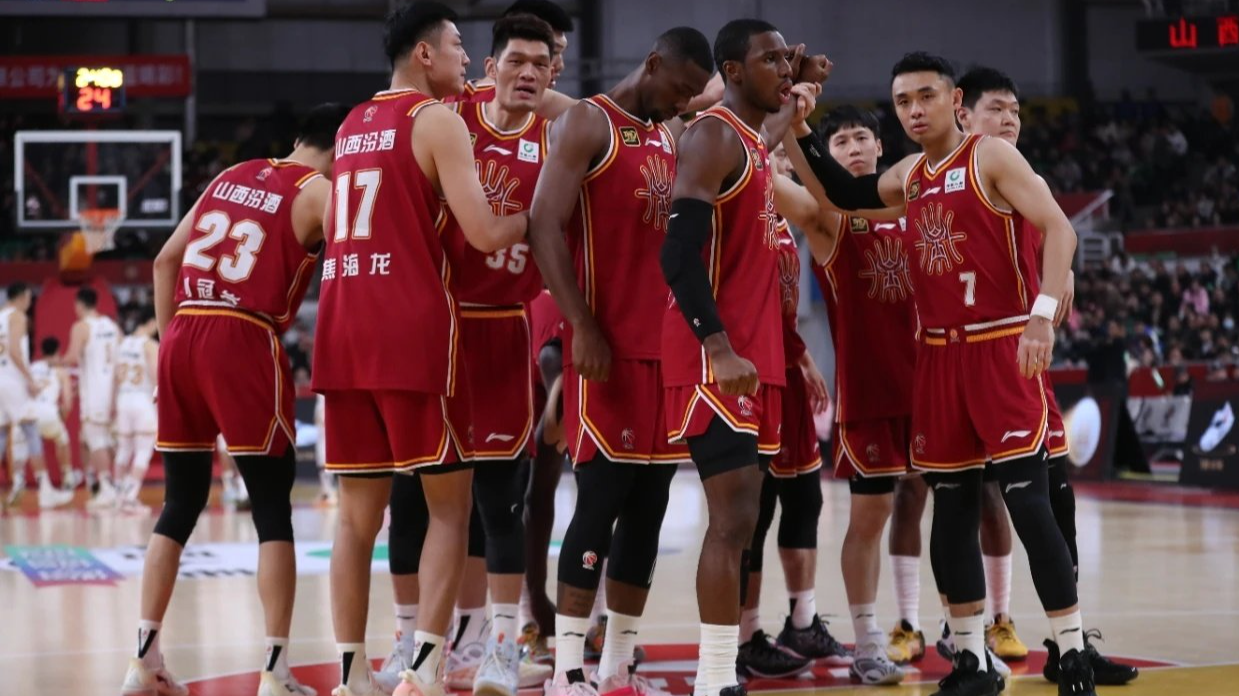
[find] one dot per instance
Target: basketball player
(509, 147)
(137, 364)
(722, 344)
(326, 480)
(968, 197)
(991, 106)
(49, 409)
(385, 354)
(18, 389)
(606, 187)
(92, 348)
(227, 282)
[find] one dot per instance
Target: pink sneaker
(560, 685)
(628, 683)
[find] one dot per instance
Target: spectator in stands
(1195, 298)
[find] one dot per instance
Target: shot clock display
(92, 91)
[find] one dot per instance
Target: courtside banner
(1211, 453)
(47, 566)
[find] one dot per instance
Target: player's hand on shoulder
(591, 354)
(1036, 347)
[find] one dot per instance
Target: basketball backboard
(57, 174)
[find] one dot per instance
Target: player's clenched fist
(735, 375)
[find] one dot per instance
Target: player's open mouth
(527, 90)
(785, 92)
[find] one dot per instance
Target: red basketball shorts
(970, 403)
(495, 344)
(223, 372)
(1056, 437)
(384, 431)
(691, 409)
(621, 418)
(800, 452)
(871, 448)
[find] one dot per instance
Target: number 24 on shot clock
(92, 90)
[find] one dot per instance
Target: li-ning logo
(498, 187)
(919, 443)
(370, 112)
(589, 560)
(938, 240)
(657, 192)
(889, 280)
(628, 439)
(746, 406)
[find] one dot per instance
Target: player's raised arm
(441, 141)
(821, 226)
(708, 153)
(555, 104)
(166, 268)
(872, 191)
(576, 139)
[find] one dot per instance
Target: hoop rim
(98, 226)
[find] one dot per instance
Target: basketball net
(99, 227)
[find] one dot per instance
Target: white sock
(45, 481)
(353, 672)
(427, 661)
(1068, 632)
(969, 634)
(803, 607)
(503, 621)
(865, 624)
(277, 657)
(148, 644)
(526, 613)
(470, 626)
(569, 643)
(716, 666)
(908, 588)
(619, 643)
(998, 584)
(406, 626)
(750, 623)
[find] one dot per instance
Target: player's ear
(652, 62)
(492, 67)
(964, 116)
(878, 146)
(731, 70)
(957, 99)
(421, 53)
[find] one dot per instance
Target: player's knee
(269, 481)
(188, 479)
(96, 437)
(993, 508)
(802, 507)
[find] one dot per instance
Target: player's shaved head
(732, 42)
(413, 23)
(318, 128)
(685, 44)
(980, 80)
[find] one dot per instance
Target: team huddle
(509, 273)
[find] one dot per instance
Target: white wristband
(1045, 307)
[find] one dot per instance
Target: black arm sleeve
(687, 232)
(844, 190)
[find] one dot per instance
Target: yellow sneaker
(906, 645)
(1000, 637)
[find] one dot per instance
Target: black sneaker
(736, 690)
(966, 679)
(760, 657)
(814, 642)
(1075, 675)
(1106, 672)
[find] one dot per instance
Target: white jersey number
(368, 180)
(234, 267)
(514, 258)
(969, 279)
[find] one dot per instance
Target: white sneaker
(871, 666)
(561, 686)
(106, 498)
(625, 680)
(412, 685)
(50, 497)
(15, 494)
(388, 676)
(499, 673)
(533, 674)
(463, 661)
(72, 479)
(143, 681)
(270, 685)
(999, 666)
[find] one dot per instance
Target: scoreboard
(1188, 34)
(92, 91)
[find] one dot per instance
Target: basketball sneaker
(412, 685)
(906, 645)
(760, 657)
(570, 684)
(946, 650)
(1000, 638)
(51, 497)
(499, 672)
(271, 685)
(627, 682)
(966, 679)
(72, 479)
(813, 642)
(15, 493)
(1106, 672)
(369, 689)
(595, 638)
(400, 659)
(533, 646)
(871, 666)
(463, 662)
(141, 680)
(106, 499)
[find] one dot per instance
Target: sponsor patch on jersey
(914, 190)
(528, 151)
(473, 140)
(370, 112)
(630, 136)
(859, 225)
(758, 161)
(955, 179)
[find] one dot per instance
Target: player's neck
(752, 116)
(420, 81)
(627, 97)
(504, 120)
(942, 148)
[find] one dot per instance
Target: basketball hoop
(99, 227)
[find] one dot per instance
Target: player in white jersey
(92, 347)
(18, 388)
(51, 406)
(137, 359)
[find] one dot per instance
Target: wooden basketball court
(1159, 576)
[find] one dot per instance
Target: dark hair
(144, 315)
(16, 290)
(980, 80)
(685, 44)
(545, 10)
(50, 346)
(318, 128)
(520, 26)
(88, 297)
(412, 23)
(848, 116)
(920, 61)
(732, 42)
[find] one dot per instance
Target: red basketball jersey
(742, 258)
(243, 253)
(508, 165)
(868, 289)
(967, 268)
(617, 231)
(789, 292)
(386, 315)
